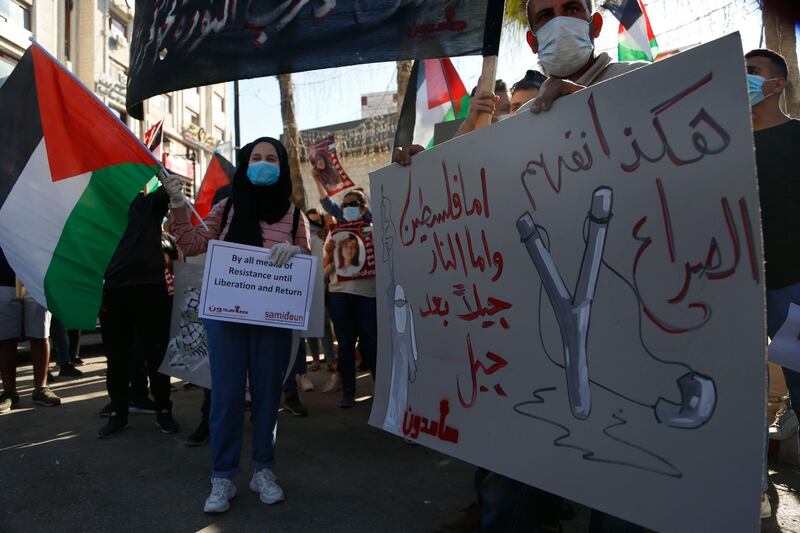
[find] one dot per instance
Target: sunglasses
(353, 204)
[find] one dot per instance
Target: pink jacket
(193, 240)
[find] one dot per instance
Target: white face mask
(565, 45)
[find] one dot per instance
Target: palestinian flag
(153, 139)
(220, 173)
(435, 94)
(636, 39)
(69, 171)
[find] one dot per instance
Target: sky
(331, 96)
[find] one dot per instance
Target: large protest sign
(575, 299)
(241, 284)
(200, 43)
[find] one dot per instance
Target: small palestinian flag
(435, 94)
(636, 39)
(153, 139)
(69, 171)
(220, 173)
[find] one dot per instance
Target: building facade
(377, 104)
(91, 38)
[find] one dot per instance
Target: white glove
(172, 184)
(282, 252)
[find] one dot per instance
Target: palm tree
(291, 138)
(515, 17)
(779, 28)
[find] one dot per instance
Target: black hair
(356, 192)
(499, 87)
(533, 80)
(529, 3)
(252, 204)
(777, 60)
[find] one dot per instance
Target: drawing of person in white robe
(404, 357)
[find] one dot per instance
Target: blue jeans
(235, 352)
(778, 301)
(354, 318)
(510, 506)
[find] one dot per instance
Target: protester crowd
(256, 210)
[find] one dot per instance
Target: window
(68, 9)
(162, 102)
(7, 64)
(15, 13)
(118, 26)
(219, 134)
(194, 118)
(192, 97)
(218, 104)
(363, 100)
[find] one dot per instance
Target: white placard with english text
(240, 284)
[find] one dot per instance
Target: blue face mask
(351, 214)
(755, 88)
(263, 174)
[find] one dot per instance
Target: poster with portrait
(326, 168)
(353, 254)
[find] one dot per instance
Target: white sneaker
(222, 491)
(334, 384)
(766, 508)
(785, 426)
(305, 383)
(265, 484)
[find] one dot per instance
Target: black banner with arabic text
(176, 45)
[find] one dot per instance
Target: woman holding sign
(258, 213)
(350, 256)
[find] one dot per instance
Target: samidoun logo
(236, 310)
(283, 316)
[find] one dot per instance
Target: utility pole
(237, 130)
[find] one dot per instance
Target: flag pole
(99, 101)
(486, 85)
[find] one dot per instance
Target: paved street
(339, 474)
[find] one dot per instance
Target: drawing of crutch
(573, 313)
